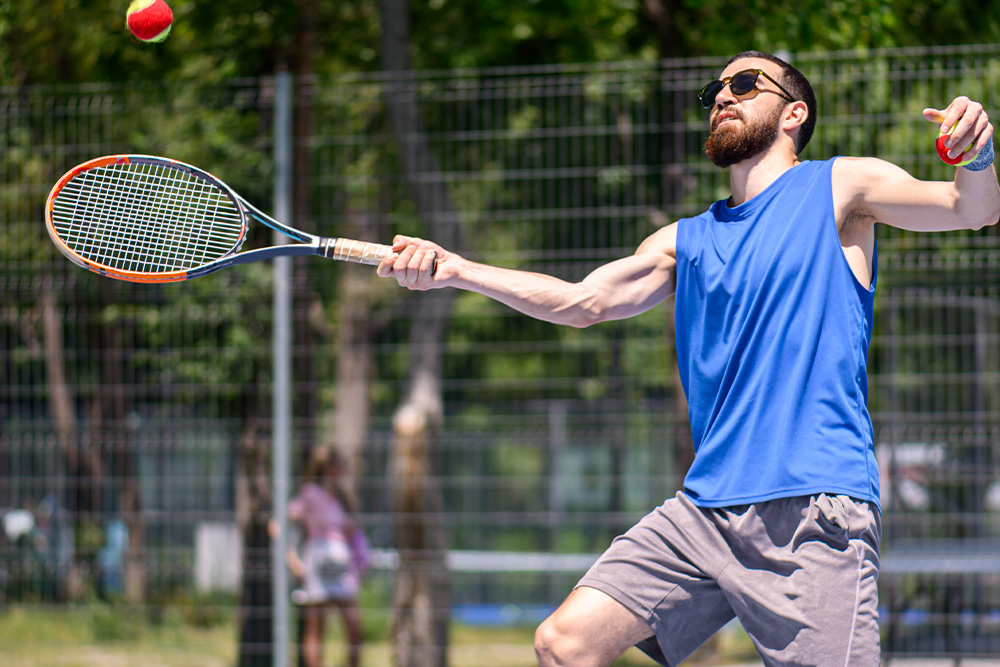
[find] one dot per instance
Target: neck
(749, 178)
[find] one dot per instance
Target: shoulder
(860, 175)
(663, 240)
(856, 181)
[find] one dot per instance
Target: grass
(93, 635)
(100, 635)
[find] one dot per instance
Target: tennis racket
(149, 219)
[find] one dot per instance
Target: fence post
(282, 345)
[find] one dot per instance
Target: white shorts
(329, 574)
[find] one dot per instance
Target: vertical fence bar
(282, 322)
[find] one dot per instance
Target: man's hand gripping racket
(414, 263)
(154, 220)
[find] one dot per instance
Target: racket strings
(146, 218)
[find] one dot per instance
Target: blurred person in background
(334, 555)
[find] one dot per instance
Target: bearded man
(778, 521)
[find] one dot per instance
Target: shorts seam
(857, 602)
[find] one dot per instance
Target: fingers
(413, 263)
(933, 115)
(429, 263)
(399, 241)
(967, 124)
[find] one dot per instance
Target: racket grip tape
(359, 252)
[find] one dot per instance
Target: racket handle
(359, 252)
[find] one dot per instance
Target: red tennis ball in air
(149, 20)
(942, 151)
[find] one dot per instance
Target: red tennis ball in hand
(149, 20)
(942, 151)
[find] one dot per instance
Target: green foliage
(89, 537)
(181, 607)
(523, 32)
(21, 625)
(57, 41)
(725, 27)
(200, 343)
(110, 623)
(61, 41)
(519, 487)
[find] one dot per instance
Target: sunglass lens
(708, 94)
(743, 83)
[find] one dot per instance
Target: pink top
(320, 513)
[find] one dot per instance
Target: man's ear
(795, 115)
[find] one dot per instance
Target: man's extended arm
(886, 193)
(616, 290)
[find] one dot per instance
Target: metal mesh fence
(135, 419)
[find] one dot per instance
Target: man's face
(746, 125)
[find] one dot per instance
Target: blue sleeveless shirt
(773, 330)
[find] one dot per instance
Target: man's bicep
(648, 277)
(890, 195)
(660, 248)
(632, 285)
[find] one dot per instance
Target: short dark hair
(796, 84)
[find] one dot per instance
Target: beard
(730, 144)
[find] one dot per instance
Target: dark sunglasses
(740, 83)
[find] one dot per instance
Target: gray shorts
(799, 573)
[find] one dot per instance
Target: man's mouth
(724, 118)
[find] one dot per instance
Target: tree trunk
(130, 501)
(352, 409)
(84, 468)
(422, 599)
(421, 605)
(660, 13)
(114, 410)
(303, 58)
(254, 500)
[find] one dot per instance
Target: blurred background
(137, 461)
